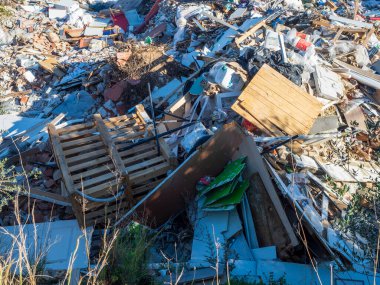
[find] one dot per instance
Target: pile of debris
(168, 110)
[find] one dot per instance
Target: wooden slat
(144, 175)
(129, 137)
(250, 32)
(110, 145)
(86, 156)
(266, 112)
(142, 115)
(92, 172)
(268, 128)
(283, 87)
(108, 209)
(78, 134)
(164, 147)
(145, 164)
(135, 149)
(138, 157)
(78, 142)
(290, 107)
(104, 187)
(126, 131)
(120, 123)
(86, 147)
(87, 164)
(97, 180)
(120, 118)
(75, 128)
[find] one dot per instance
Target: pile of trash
(256, 122)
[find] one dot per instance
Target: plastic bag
(361, 56)
(225, 77)
(192, 139)
(5, 38)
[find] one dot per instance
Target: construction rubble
(244, 135)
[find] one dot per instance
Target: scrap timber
(275, 104)
(104, 171)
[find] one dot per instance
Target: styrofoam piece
(57, 241)
(93, 31)
(234, 224)
(238, 13)
(208, 235)
(329, 85)
(29, 76)
(57, 13)
(265, 253)
(239, 248)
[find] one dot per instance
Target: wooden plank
(120, 118)
(269, 228)
(48, 197)
(148, 163)
(271, 130)
(86, 156)
(283, 87)
(120, 124)
(265, 111)
(126, 131)
(143, 116)
(129, 137)
(94, 206)
(255, 162)
(290, 105)
(60, 158)
(164, 147)
(250, 32)
(277, 104)
(110, 145)
(107, 210)
(337, 35)
(74, 128)
(104, 187)
(104, 168)
(78, 142)
(86, 147)
(87, 164)
(69, 183)
(135, 149)
(155, 171)
(77, 134)
(141, 156)
(97, 180)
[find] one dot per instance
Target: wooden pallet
(100, 159)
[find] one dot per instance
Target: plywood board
(275, 104)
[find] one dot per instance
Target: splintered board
(100, 159)
(276, 105)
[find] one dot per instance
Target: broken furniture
(104, 171)
(276, 105)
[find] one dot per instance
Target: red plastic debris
(120, 20)
(153, 11)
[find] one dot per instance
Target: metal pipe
(154, 120)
